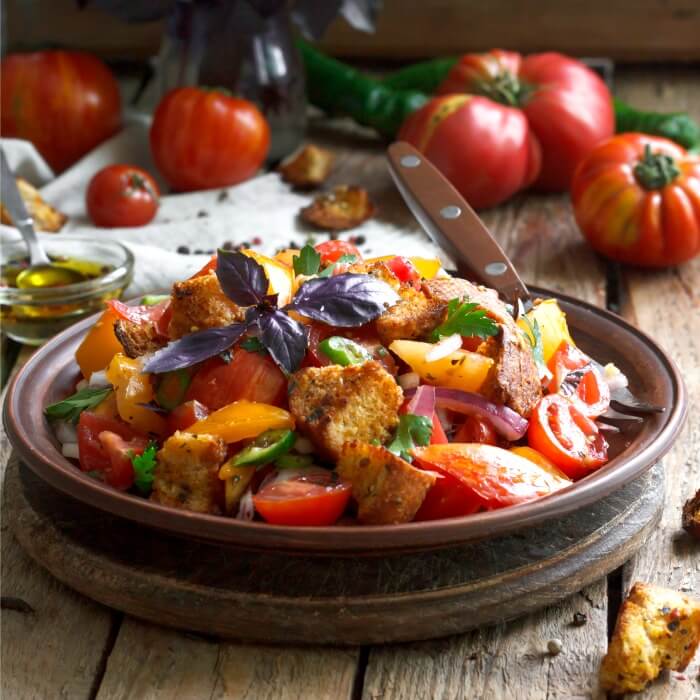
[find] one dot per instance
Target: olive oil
(46, 277)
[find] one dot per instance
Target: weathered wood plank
(666, 305)
(149, 662)
(53, 647)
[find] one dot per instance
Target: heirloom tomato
(64, 102)
(637, 200)
(202, 139)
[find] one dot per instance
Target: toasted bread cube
(46, 218)
(138, 338)
(343, 208)
(186, 475)
(388, 489)
(656, 628)
(334, 405)
(307, 167)
(412, 318)
(199, 303)
(691, 516)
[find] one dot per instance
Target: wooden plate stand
(271, 597)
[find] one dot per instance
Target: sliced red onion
(70, 450)
(511, 425)
(65, 432)
(410, 380)
(98, 380)
(445, 347)
(422, 402)
(246, 509)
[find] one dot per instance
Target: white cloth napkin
(263, 208)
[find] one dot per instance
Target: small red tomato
(185, 415)
(331, 251)
(122, 195)
(119, 470)
(403, 269)
(475, 429)
(93, 455)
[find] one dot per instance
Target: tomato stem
(655, 170)
(505, 89)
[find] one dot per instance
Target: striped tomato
(637, 200)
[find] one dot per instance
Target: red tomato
(122, 195)
(185, 415)
(485, 150)
(562, 433)
(93, 456)
(158, 314)
(211, 265)
(332, 250)
(403, 269)
(568, 108)
(201, 139)
(475, 429)
(637, 200)
(438, 437)
(447, 498)
(249, 375)
(566, 359)
(495, 477)
(312, 497)
(593, 394)
(64, 102)
(119, 471)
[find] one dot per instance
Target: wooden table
(56, 643)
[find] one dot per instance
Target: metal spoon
(41, 271)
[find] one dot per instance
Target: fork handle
(451, 223)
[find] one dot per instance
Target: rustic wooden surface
(57, 644)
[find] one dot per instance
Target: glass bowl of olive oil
(33, 315)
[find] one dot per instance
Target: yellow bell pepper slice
(279, 275)
(427, 267)
(237, 481)
(242, 419)
(551, 321)
(132, 388)
(99, 346)
(460, 370)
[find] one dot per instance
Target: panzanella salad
(316, 387)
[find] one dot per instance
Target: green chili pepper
(343, 351)
(677, 126)
(425, 76)
(266, 448)
(339, 89)
(172, 387)
(294, 461)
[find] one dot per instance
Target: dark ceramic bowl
(51, 374)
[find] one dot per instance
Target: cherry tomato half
(312, 496)
(593, 393)
(330, 251)
(475, 429)
(403, 269)
(93, 455)
(119, 471)
(122, 195)
(562, 433)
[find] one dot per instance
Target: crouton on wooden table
(657, 628)
(514, 378)
(138, 338)
(186, 475)
(388, 490)
(46, 218)
(343, 208)
(199, 303)
(308, 167)
(334, 405)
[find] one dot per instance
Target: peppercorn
(580, 619)
(554, 646)
(183, 250)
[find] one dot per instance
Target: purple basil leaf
(346, 300)
(194, 348)
(284, 338)
(242, 278)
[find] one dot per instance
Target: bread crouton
(388, 489)
(345, 207)
(514, 379)
(46, 218)
(691, 516)
(412, 318)
(199, 303)
(656, 628)
(186, 475)
(334, 405)
(138, 338)
(308, 167)
(377, 269)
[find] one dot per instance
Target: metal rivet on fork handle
(495, 268)
(410, 161)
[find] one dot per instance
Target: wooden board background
(55, 643)
(645, 30)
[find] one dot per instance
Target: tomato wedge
(565, 435)
(593, 394)
(476, 429)
(307, 497)
(185, 415)
(494, 476)
(119, 471)
(331, 251)
(403, 269)
(448, 497)
(93, 455)
(566, 359)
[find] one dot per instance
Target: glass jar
(246, 47)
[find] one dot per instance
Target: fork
(453, 225)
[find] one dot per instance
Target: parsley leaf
(534, 338)
(467, 319)
(71, 408)
(343, 259)
(413, 430)
(144, 465)
(253, 344)
(307, 262)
